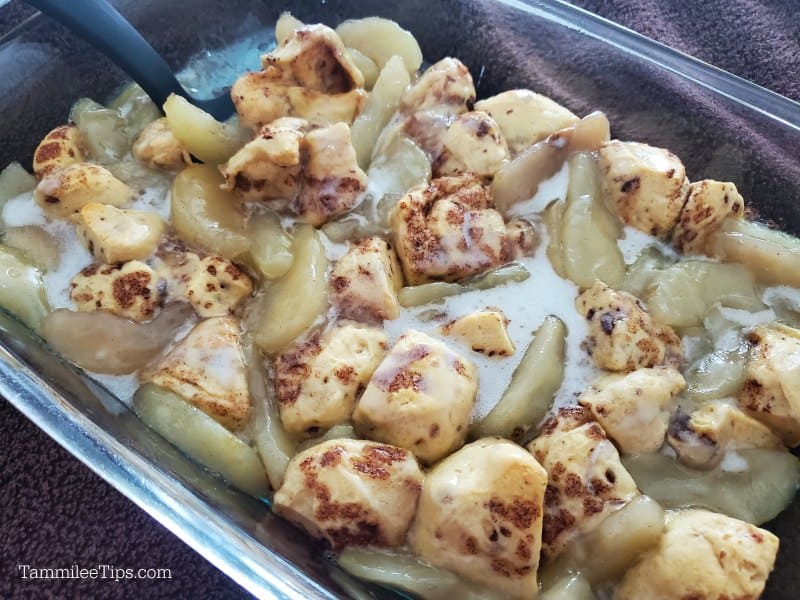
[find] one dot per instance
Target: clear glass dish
(721, 126)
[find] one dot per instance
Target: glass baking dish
(721, 126)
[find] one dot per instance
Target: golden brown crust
(158, 147)
(586, 480)
(331, 181)
(445, 88)
(365, 281)
(644, 185)
(216, 287)
(709, 203)
(207, 370)
(430, 236)
(420, 398)
(703, 555)
(64, 191)
(129, 290)
(61, 147)
(268, 167)
(319, 378)
(622, 335)
(472, 143)
(480, 515)
(351, 492)
(771, 391)
(634, 408)
(309, 76)
(293, 367)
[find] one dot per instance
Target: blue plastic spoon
(101, 25)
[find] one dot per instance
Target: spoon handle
(108, 31)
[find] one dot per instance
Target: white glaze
(22, 210)
(155, 199)
(73, 256)
(525, 304)
(634, 241)
(733, 462)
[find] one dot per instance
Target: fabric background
(55, 512)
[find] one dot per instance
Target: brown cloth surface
(55, 512)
